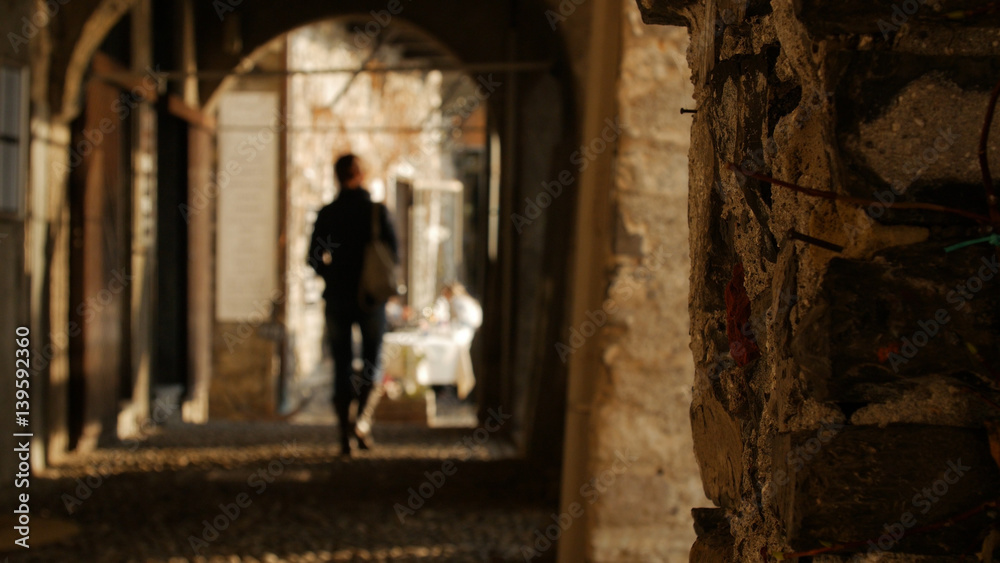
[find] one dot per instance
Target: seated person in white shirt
(462, 315)
(465, 313)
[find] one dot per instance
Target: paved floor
(270, 492)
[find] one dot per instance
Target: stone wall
(845, 362)
(641, 406)
(641, 477)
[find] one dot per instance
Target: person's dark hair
(344, 168)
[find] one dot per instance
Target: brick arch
(90, 26)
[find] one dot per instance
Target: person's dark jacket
(343, 229)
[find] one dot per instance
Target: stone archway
(532, 111)
(533, 309)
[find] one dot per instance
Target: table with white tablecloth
(429, 358)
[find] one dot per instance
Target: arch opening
(420, 127)
(489, 97)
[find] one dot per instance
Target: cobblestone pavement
(175, 498)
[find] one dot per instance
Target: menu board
(247, 220)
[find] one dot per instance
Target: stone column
(629, 490)
(845, 361)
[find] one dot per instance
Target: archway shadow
(279, 492)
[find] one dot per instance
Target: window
(13, 110)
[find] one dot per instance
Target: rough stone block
(715, 540)
(910, 312)
(665, 12)
(834, 17)
(911, 123)
(718, 447)
(864, 482)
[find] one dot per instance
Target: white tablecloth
(430, 358)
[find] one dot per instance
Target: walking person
(343, 229)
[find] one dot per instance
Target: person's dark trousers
(348, 385)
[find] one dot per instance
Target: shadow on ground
(177, 496)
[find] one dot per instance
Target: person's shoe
(345, 441)
(365, 441)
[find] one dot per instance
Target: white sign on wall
(247, 232)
